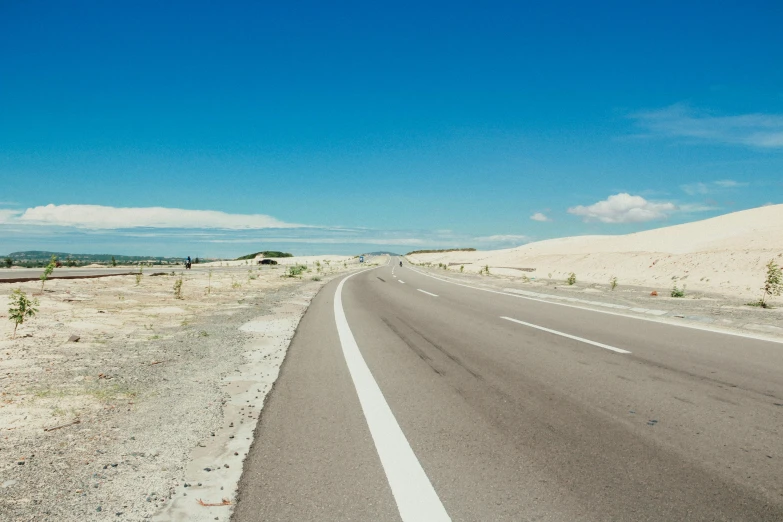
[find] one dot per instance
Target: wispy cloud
(625, 208)
(502, 238)
(702, 188)
(681, 121)
(98, 217)
(538, 216)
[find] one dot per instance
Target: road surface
(405, 397)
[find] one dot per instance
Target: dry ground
(103, 428)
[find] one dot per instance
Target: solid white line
(416, 499)
(601, 345)
(649, 319)
(401, 281)
(426, 292)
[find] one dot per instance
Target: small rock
(225, 465)
(74, 339)
(99, 509)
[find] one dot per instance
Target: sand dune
(725, 254)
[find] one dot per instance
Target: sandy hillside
(725, 254)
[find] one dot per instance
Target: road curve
(513, 410)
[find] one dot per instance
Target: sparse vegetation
(316, 278)
(461, 268)
(613, 283)
(113, 261)
(178, 288)
(8, 262)
(295, 270)
(439, 251)
(678, 292)
(571, 279)
(773, 284)
(209, 284)
(21, 309)
(138, 275)
(48, 271)
(484, 271)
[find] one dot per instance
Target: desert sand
(725, 255)
(154, 407)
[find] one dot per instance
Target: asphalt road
(462, 404)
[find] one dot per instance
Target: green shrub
(21, 308)
(178, 288)
(48, 271)
(9, 262)
(571, 279)
(773, 284)
(295, 270)
(613, 283)
(461, 268)
(678, 292)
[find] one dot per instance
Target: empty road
(405, 397)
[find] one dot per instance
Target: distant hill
(265, 253)
(381, 254)
(36, 258)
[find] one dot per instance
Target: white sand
(726, 254)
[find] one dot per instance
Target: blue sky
(352, 127)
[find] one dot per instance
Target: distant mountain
(381, 254)
(265, 253)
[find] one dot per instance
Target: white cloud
(701, 188)
(624, 208)
(680, 121)
(538, 216)
(98, 217)
(503, 238)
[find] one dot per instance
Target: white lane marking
(581, 339)
(650, 319)
(426, 292)
(401, 281)
(416, 499)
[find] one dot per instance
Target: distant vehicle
(361, 259)
(267, 262)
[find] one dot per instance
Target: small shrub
(178, 288)
(203, 333)
(209, 283)
(138, 276)
(571, 279)
(316, 278)
(613, 283)
(461, 268)
(9, 262)
(236, 284)
(773, 284)
(21, 309)
(549, 275)
(295, 270)
(113, 261)
(48, 271)
(525, 279)
(678, 292)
